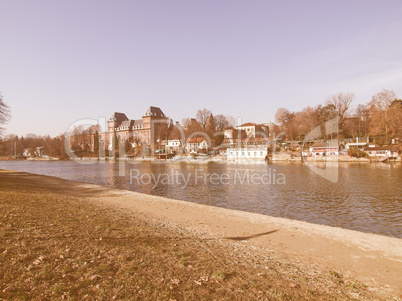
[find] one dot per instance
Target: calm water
(367, 197)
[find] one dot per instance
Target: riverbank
(219, 159)
(63, 238)
(281, 158)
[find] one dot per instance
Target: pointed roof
(154, 112)
(127, 123)
(138, 122)
(118, 117)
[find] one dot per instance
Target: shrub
(356, 152)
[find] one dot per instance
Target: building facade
(254, 130)
(245, 153)
(324, 149)
(146, 131)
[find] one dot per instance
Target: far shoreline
(185, 159)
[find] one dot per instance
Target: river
(365, 197)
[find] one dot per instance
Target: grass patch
(221, 275)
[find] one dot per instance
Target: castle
(145, 131)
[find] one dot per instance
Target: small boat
(177, 158)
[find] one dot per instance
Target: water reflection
(367, 197)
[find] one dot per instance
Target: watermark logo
(328, 150)
(200, 177)
(242, 145)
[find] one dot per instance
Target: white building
(359, 145)
(391, 152)
(198, 145)
(324, 149)
(244, 153)
(173, 146)
(253, 129)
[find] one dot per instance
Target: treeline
(206, 122)
(380, 118)
(80, 138)
(12, 145)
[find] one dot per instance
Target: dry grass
(55, 245)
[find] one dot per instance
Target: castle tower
(114, 122)
(154, 122)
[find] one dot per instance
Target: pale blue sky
(65, 60)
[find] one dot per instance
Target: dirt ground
(63, 240)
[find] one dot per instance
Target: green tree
(210, 127)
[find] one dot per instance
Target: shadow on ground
(239, 238)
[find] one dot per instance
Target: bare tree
(341, 103)
(94, 128)
(307, 119)
(185, 122)
(5, 113)
(386, 114)
(203, 117)
(362, 112)
(324, 113)
(191, 125)
(231, 121)
(284, 117)
(220, 122)
(304, 122)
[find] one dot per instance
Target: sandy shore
(372, 259)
